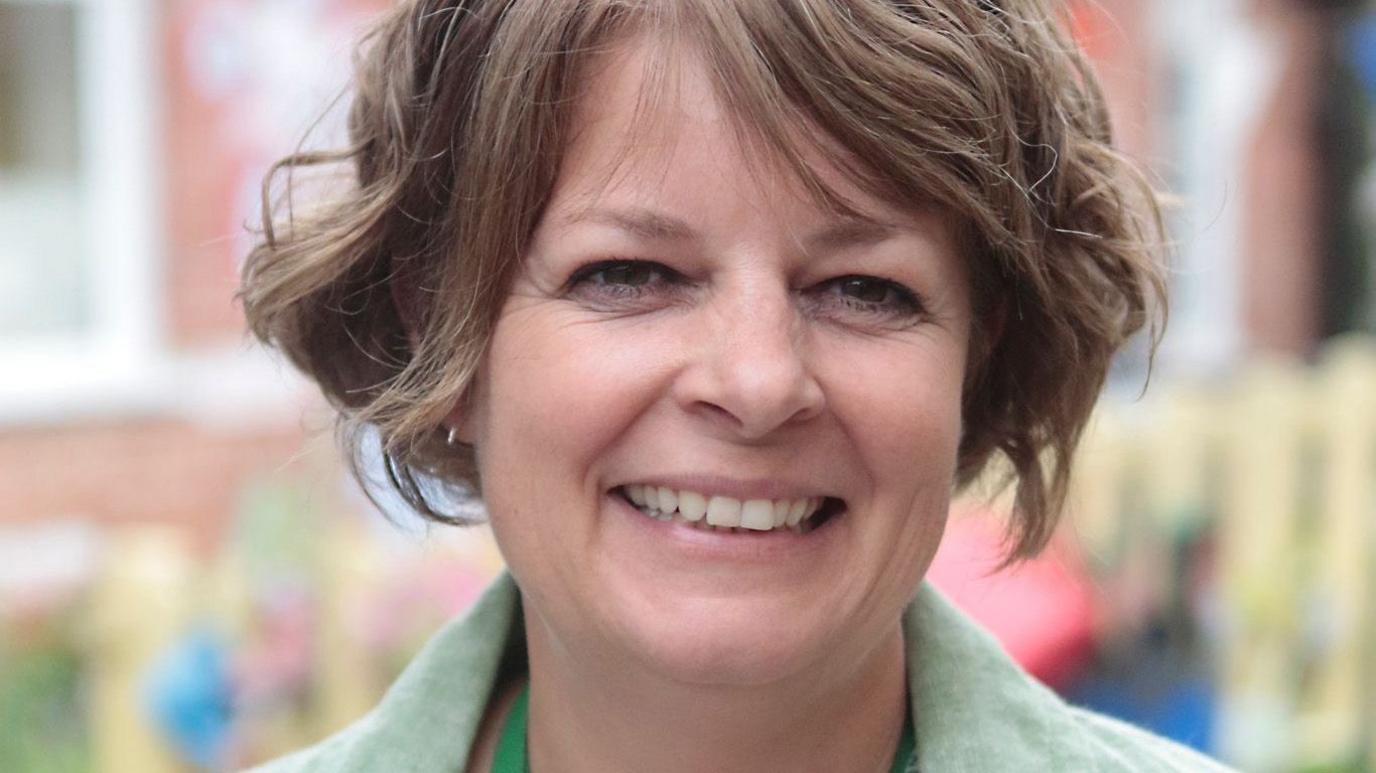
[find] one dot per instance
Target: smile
(728, 514)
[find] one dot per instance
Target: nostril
(713, 411)
(750, 395)
(756, 415)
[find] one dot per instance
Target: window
(1223, 68)
(78, 313)
(45, 290)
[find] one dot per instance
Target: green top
(510, 756)
(511, 748)
(972, 708)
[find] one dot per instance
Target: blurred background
(189, 580)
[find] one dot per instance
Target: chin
(725, 642)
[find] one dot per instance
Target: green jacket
(973, 708)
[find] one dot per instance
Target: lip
(711, 546)
(720, 486)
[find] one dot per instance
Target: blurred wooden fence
(1271, 478)
(153, 592)
(1273, 472)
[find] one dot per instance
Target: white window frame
(1228, 71)
(110, 364)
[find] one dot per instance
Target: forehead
(647, 109)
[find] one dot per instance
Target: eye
(622, 279)
(870, 296)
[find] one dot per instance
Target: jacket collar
(972, 707)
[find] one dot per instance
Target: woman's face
(685, 326)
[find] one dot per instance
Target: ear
(460, 426)
(468, 417)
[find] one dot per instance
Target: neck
(600, 714)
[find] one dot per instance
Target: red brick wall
(139, 471)
(1281, 246)
(217, 135)
(1116, 35)
(226, 121)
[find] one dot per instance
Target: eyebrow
(656, 226)
(644, 223)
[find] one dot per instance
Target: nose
(749, 373)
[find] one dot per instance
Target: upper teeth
(693, 507)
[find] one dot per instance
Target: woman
(715, 303)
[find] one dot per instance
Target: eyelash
(902, 305)
(585, 275)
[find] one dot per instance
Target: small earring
(453, 437)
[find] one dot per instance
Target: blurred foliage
(42, 716)
(277, 528)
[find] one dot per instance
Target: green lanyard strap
(511, 749)
(906, 745)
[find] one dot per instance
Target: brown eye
(622, 281)
(866, 290)
(873, 297)
(626, 275)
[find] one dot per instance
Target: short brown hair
(460, 117)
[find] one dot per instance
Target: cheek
(559, 394)
(903, 411)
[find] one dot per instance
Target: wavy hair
(461, 113)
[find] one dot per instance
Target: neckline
(510, 756)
